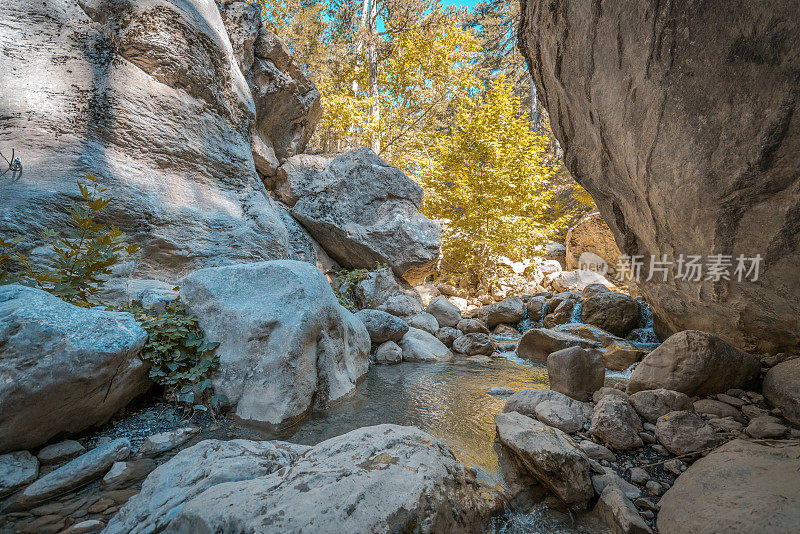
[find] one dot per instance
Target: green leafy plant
(82, 259)
(346, 281)
(8, 253)
(180, 358)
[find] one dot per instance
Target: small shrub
(180, 358)
(345, 284)
(8, 252)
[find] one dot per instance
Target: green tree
(490, 183)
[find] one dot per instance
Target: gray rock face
(287, 103)
(733, 489)
(684, 432)
(64, 368)
(652, 404)
(381, 286)
(363, 212)
(389, 352)
(474, 344)
(445, 311)
(576, 372)
(698, 160)
(382, 326)
(373, 479)
(194, 470)
(510, 310)
(148, 96)
(548, 454)
(782, 389)
(58, 452)
(539, 343)
(284, 339)
(420, 346)
(613, 312)
(615, 422)
(695, 363)
(75, 473)
(591, 235)
(16, 470)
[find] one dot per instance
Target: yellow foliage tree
(489, 182)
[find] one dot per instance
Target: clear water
(575, 317)
(645, 334)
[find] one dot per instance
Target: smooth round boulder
(469, 326)
(447, 335)
(421, 346)
(576, 372)
(475, 344)
(782, 389)
(695, 363)
(613, 312)
(388, 352)
(684, 432)
(382, 326)
(446, 313)
(510, 310)
(424, 321)
(652, 404)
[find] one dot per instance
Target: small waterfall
(527, 323)
(645, 333)
(575, 317)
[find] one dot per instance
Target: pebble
(647, 514)
(60, 452)
(733, 401)
(650, 427)
(660, 450)
(499, 391)
(654, 488)
(752, 411)
(674, 466)
(765, 427)
(639, 475)
(647, 437)
(646, 504)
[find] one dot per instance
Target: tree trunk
(534, 107)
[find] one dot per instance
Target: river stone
(766, 428)
(563, 413)
(610, 478)
(63, 368)
(595, 451)
(505, 330)
(17, 469)
(194, 470)
(403, 306)
(374, 479)
(619, 512)
(362, 211)
(472, 326)
(285, 341)
(389, 352)
(653, 403)
(77, 472)
(424, 321)
(702, 157)
(474, 344)
(548, 454)
(576, 372)
(420, 346)
(620, 355)
(715, 408)
(510, 310)
(446, 313)
(603, 391)
(590, 332)
(615, 422)
(165, 441)
(577, 280)
(538, 343)
(613, 312)
(525, 401)
(695, 363)
(382, 326)
(782, 389)
(535, 307)
(123, 474)
(734, 489)
(562, 314)
(448, 335)
(85, 527)
(61, 451)
(684, 432)
(379, 286)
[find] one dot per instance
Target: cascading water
(645, 334)
(575, 317)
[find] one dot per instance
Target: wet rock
(382, 326)
(59, 452)
(424, 321)
(548, 454)
(595, 451)
(389, 352)
(166, 441)
(610, 478)
(613, 312)
(448, 335)
(576, 372)
(64, 368)
(684, 432)
(17, 469)
(561, 314)
(535, 307)
(653, 403)
(766, 427)
(445, 312)
(77, 472)
(283, 319)
(472, 326)
(510, 310)
(420, 346)
(619, 512)
(539, 343)
(194, 470)
(577, 280)
(474, 344)
(363, 212)
(695, 363)
(782, 389)
(734, 489)
(122, 474)
(615, 422)
(717, 409)
(619, 355)
(593, 290)
(603, 391)
(371, 479)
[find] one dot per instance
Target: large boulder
(613, 312)
(548, 454)
(782, 389)
(362, 211)
(576, 372)
(577, 280)
(148, 96)
(446, 313)
(593, 236)
(615, 422)
(474, 344)
(286, 344)
(695, 363)
(421, 346)
(684, 432)
(63, 368)
(743, 486)
(539, 343)
(510, 311)
(653, 403)
(702, 157)
(373, 479)
(382, 326)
